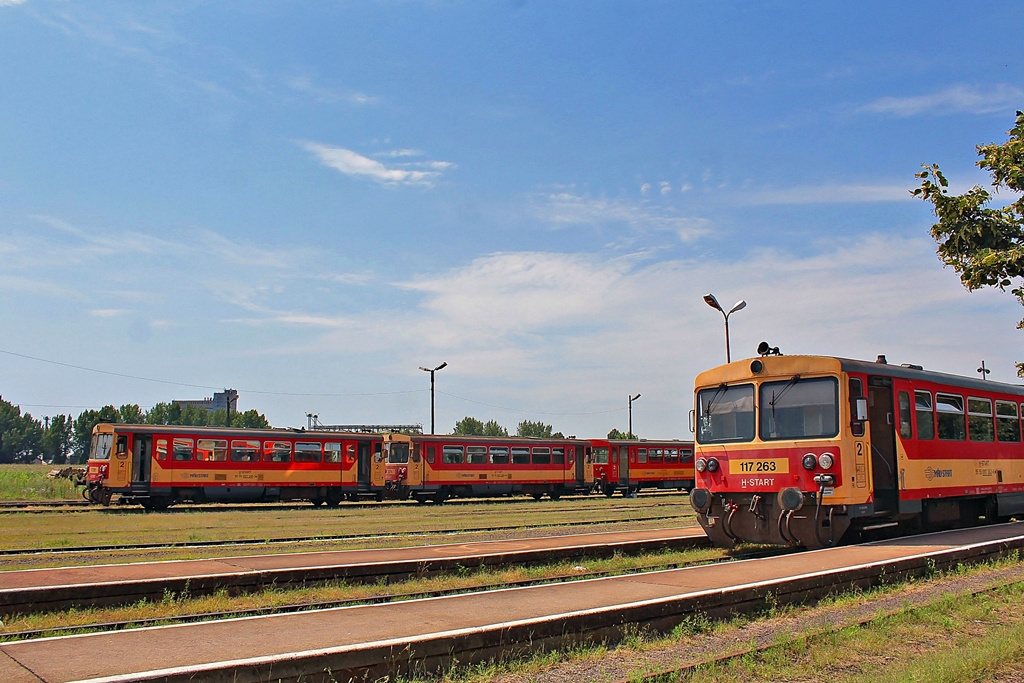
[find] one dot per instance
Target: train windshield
(799, 409)
(99, 449)
(399, 453)
(725, 413)
(600, 455)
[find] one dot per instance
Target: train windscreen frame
(725, 414)
(799, 408)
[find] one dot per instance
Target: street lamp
(711, 301)
(631, 399)
(442, 365)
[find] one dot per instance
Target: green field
(29, 482)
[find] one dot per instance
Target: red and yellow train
(631, 465)
(158, 466)
(811, 451)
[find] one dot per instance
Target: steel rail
(313, 539)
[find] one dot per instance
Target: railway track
(80, 505)
(417, 637)
(121, 547)
(368, 600)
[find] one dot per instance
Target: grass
(404, 524)
(29, 482)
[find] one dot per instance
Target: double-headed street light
(439, 367)
(711, 301)
(631, 399)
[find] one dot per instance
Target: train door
(378, 468)
(142, 454)
(581, 462)
(120, 464)
(624, 466)
(415, 476)
(883, 443)
(364, 458)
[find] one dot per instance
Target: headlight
(826, 461)
(810, 462)
(701, 464)
(712, 465)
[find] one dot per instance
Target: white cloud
(830, 194)
(305, 85)
(953, 100)
(11, 3)
(565, 208)
(353, 164)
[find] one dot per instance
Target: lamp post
(711, 301)
(631, 399)
(439, 367)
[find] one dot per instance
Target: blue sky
(308, 201)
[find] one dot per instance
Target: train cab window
(452, 455)
(799, 408)
(1007, 426)
(245, 451)
(307, 452)
(277, 451)
(332, 451)
(161, 449)
(122, 444)
(100, 446)
(476, 455)
(520, 455)
(499, 455)
(600, 455)
(558, 455)
(904, 405)
(212, 450)
(183, 449)
(431, 454)
(925, 416)
(979, 419)
(725, 413)
(399, 453)
(949, 410)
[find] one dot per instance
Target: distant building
(222, 400)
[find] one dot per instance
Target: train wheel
(104, 497)
(440, 497)
(317, 502)
(554, 495)
(608, 490)
(537, 496)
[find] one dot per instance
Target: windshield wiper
(714, 399)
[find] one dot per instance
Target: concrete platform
(58, 588)
(426, 634)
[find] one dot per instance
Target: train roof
(231, 431)
(792, 364)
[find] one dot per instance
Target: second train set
(158, 466)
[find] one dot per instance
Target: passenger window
(477, 455)
(558, 456)
(161, 449)
(1007, 429)
(212, 450)
(671, 454)
(949, 410)
(332, 452)
(452, 455)
(541, 455)
(122, 444)
(350, 452)
(904, 404)
(277, 451)
(979, 419)
(431, 454)
(925, 416)
(183, 449)
(655, 454)
(520, 455)
(499, 455)
(245, 451)
(641, 455)
(307, 452)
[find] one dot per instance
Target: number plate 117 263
(767, 466)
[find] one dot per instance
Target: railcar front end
(805, 450)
